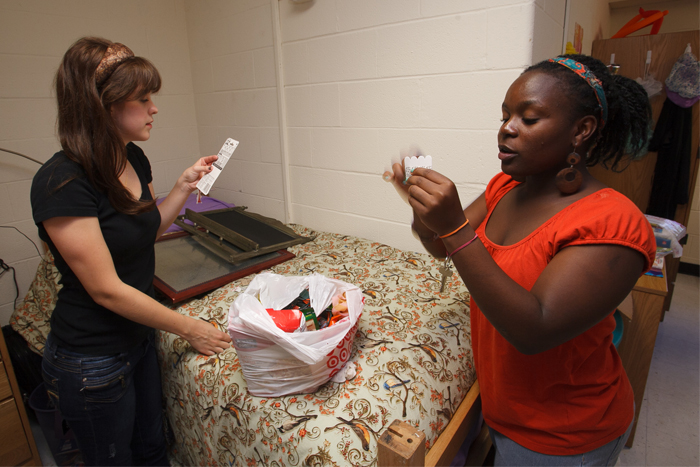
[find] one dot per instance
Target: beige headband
(116, 53)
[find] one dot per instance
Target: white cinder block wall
(235, 85)
(362, 80)
(366, 79)
(33, 38)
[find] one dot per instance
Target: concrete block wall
(362, 81)
(366, 80)
(235, 85)
(34, 35)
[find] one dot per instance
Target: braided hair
(627, 130)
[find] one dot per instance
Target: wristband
(456, 230)
(450, 255)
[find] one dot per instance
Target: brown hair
(86, 130)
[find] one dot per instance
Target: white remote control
(206, 182)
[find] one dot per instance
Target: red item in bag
(286, 320)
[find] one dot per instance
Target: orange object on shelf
(642, 20)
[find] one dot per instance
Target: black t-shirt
(78, 323)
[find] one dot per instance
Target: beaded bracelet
(450, 255)
(456, 230)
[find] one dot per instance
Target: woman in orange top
(548, 252)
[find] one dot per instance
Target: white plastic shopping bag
(276, 363)
(668, 234)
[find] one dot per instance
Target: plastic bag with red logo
(277, 363)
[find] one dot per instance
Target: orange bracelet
(456, 230)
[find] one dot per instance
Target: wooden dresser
(637, 180)
(17, 446)
(639, 336)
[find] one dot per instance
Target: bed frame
(396, 446)
(32, 319)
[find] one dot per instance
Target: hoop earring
(569, 179)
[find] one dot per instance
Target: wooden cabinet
(639, 337)
(652, 295)
(636, 181)
(17, 445)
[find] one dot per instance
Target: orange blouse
(575, 397)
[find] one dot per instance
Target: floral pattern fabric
(31, 318)
(412, 356)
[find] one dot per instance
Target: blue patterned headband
(581, 70)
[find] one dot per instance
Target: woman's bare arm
(82, 246)
(577, 289)
(185, 185)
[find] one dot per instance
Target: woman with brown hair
(94, 205)
(548, 252)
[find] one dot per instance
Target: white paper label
(206, 182)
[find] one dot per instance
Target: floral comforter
(412, 356)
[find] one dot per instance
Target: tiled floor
(667, 431)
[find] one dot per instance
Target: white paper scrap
(206, 182)
(412, 163)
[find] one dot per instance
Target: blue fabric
(112, 403)
(619, 328)
(508, 452)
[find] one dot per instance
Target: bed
(412, 356)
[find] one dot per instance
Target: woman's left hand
(193, 174)
(435, 200)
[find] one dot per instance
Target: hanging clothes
(684, 79)
(672, 138)
(672, 142)
(680, 100)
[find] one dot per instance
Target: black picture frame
(186, 269)
(237, 235)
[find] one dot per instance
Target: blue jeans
(508, 452)
(112, 403)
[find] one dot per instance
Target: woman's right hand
(397, 173)
(206, 338)
(396, 176)
(435, 201)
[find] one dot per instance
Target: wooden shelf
(652, 284)
(17, 446)
(639, 337)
